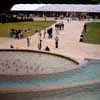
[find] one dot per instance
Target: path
(69, 44)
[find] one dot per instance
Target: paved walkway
(69, 44)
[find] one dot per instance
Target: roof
(56, 7)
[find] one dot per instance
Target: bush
(5, 18)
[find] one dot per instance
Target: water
(32, 62)
(87, 72)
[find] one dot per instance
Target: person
(47, 49)
(85, 27)
(18, 33)
(21, 34)
(56, 42)
(68, 20)
(56, 26)
(44, 33)
(62, 26)
(81, 39)
(40, 44)
(45, 18)
(40, 34)
(49, 31)
(11, 33)
(28, 41)
(11, 46)
(81, 35)
(57, 31)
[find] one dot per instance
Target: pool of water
(18, 62)
(87, 72)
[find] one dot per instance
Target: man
(11, 33)
(85, 27)
(50, 33)
(28, 41)
(56, 42)
(44, 33)
(40, 44)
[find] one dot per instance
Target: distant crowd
(48, 33)
(18, 34)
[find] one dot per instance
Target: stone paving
(69, 44)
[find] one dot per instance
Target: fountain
(35, 75)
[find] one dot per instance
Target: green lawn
(5, 28)
(93, 33)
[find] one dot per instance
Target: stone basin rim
(42, 52)
(68, 87)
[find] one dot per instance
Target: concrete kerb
(68, 88)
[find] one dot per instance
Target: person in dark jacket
(49, 31)
(28, 41)
(85, 27)
(40, 44)
(56, 42)
(47, 49)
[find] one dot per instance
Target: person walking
(56, 42)
(49, 31)
(28, 41)
(85, 27)
(11, 33)
(40, 44)
(62, 26)
(44, 33)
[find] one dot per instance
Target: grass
(93, 33)
(34, 25)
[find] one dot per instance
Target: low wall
(50, 90)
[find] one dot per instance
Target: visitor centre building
(56, 10)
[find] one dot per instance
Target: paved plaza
(69, 44)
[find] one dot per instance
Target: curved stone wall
(21, 62)
(42, 91)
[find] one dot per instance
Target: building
(56, 10)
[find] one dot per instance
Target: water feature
(32, 62)
(85, 73)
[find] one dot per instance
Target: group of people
(49, 32)
(17, 33)
(59, 26)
